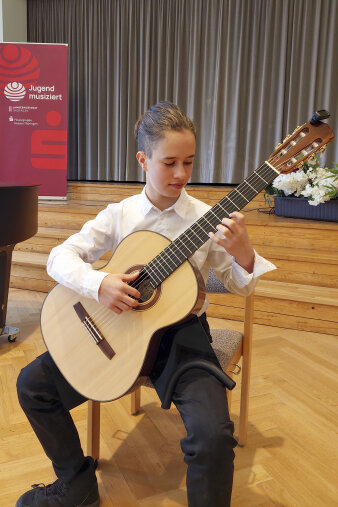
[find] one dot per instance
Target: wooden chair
(229, 346)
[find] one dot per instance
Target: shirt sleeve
(235, 278)
(71, 262)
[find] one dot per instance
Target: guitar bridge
(93, 330)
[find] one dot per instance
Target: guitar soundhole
(149, 295)
(146, 291)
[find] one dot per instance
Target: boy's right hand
(114, 292)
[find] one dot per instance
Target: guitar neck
(159, 268)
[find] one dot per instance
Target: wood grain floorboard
(290, 459)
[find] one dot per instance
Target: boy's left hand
(235, 240)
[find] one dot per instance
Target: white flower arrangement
(318, 184)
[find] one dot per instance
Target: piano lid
(18, 212)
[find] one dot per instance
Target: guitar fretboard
(159, 268)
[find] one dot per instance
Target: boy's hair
(160, 118)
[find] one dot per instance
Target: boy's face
(169, 168)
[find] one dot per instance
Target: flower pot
(299, 207)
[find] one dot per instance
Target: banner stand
(33, 116)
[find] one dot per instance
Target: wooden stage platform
(301, 294)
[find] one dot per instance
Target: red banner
(33, 116)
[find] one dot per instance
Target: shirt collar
(180, 207)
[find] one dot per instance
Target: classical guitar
(103, 355)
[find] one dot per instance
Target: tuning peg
(323, 148)
(278, 146)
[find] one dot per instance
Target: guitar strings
(242, 191)
(101, 315)
(144, 274)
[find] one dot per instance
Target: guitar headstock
(301, 145)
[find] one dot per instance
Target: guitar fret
(183, 248)
(232, 201)
(166, 258)
(195, 233)
(262, 178)
(260, 182)
(223, 209)
(152, 273)
(189, 231)
(205, 219)
(246, 181)
(179, 252)
(214, 213)
(196, 224)
(208, 223)
(172, 251)
(254, 175)
(236, 190)
(272, 167)
(156, 264)
(160, 267)
(186, 246)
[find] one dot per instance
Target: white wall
(13, 20)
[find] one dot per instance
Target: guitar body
(132, 335)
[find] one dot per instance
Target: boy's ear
(142, 159)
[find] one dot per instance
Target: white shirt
(71, 263)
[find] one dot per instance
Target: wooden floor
(290, 458)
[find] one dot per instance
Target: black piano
(18, 221)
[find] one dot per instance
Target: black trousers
(46, 398)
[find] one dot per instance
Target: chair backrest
(213, 284)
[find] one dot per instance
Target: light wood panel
(304, 251)
(111, 192)
(291, 453)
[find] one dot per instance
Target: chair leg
(135, 401)
(246, 371)
(93, 429)
(244, 407)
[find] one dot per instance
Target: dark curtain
(246, 71)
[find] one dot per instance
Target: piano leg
(5, 271)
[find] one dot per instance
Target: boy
(166, 149)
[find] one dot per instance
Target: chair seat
(228, 345)
(225, 343)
